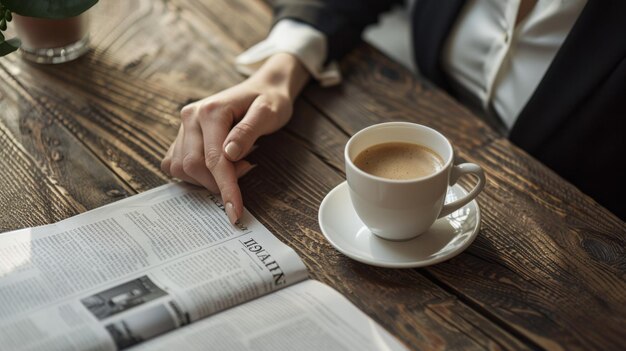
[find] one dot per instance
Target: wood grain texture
(125, 127)
(556, 250)
(28, 197)
(377, 89)
(39, 152)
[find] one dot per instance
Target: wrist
(284, 73)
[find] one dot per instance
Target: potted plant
(49, 31)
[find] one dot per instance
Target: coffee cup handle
(457, 172)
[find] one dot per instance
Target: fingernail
(247, 170)
(232, 150)
(230, 212)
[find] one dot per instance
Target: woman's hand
(217, 132)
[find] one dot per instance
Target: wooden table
(547, 270)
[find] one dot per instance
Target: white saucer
(448, 236)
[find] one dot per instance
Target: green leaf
(7, 47)
(54, 9)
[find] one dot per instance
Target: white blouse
(501, 64)
(495, 62)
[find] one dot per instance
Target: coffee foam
(399, 160)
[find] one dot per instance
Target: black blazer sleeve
(342, 21)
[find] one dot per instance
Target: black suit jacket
(575, 121)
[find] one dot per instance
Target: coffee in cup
(399, 160)
(398, 176)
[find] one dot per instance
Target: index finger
(215, 128)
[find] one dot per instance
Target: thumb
(260, 119)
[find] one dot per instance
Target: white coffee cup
(403, 209)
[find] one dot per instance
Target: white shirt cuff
(298, 39)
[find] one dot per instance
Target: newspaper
(125, 273)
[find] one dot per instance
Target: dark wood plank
(572, 261)
(28, 196)
(101, 110)
(318, 134)
(172, 42)
(376, 89)
(38, 153)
